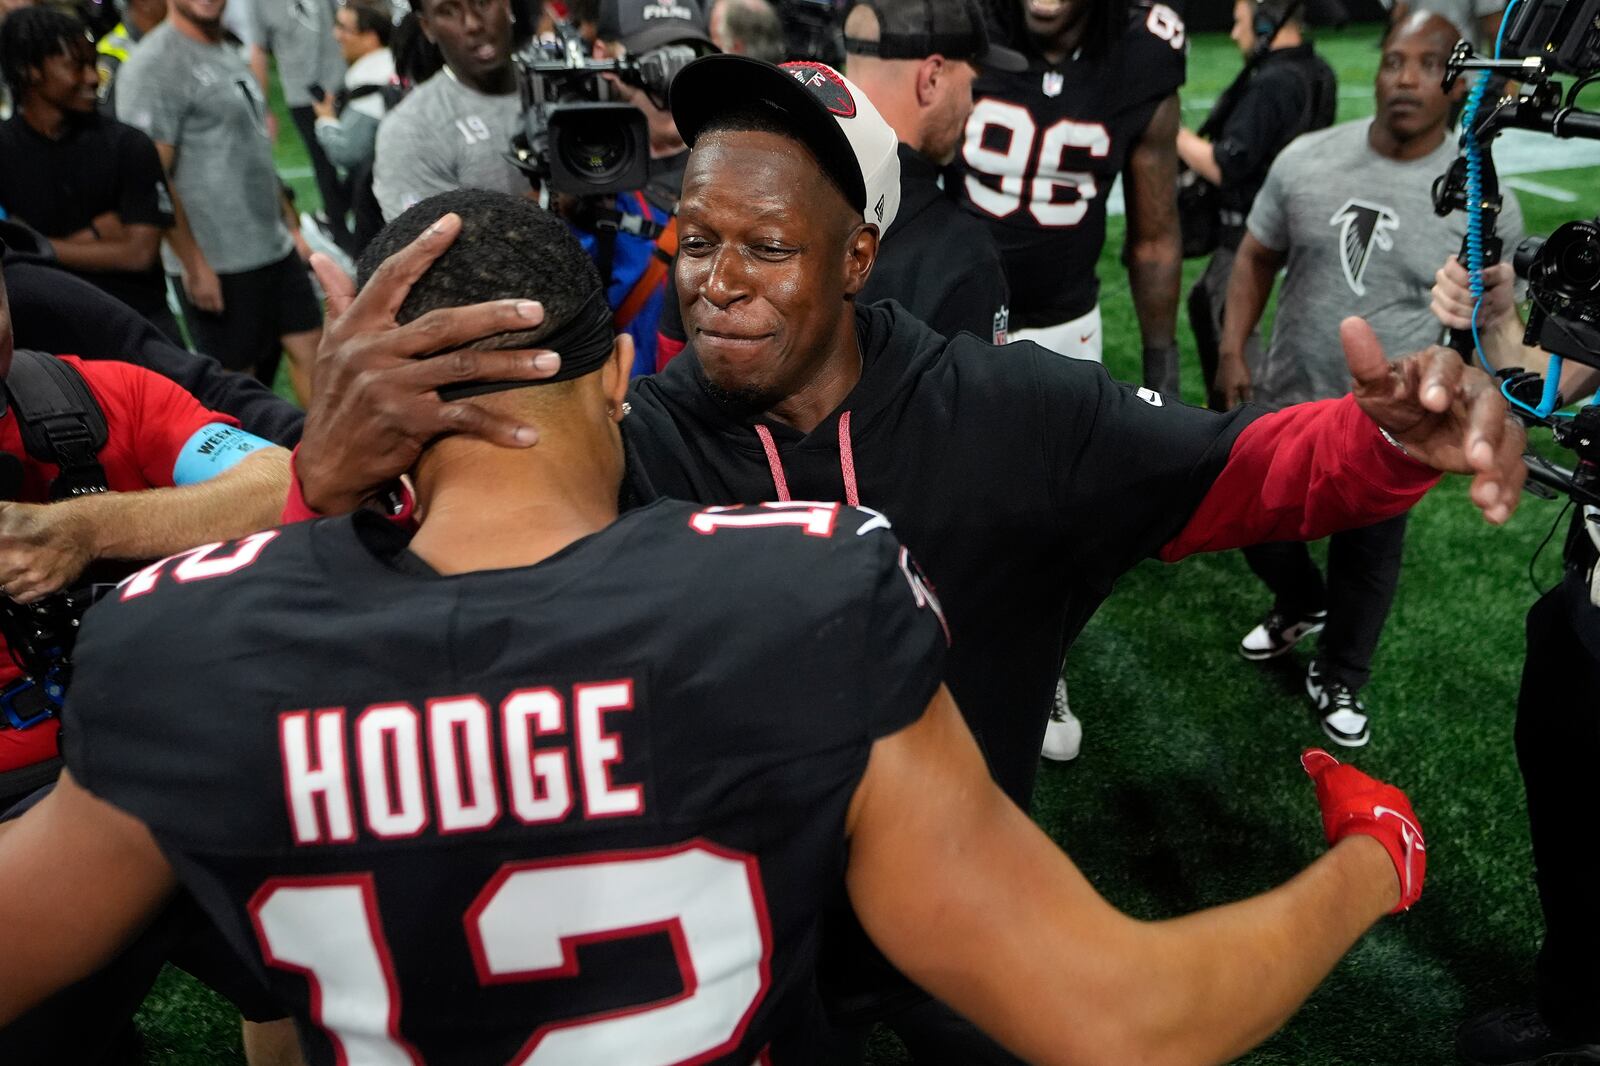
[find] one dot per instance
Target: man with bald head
(1349, 212)
(915, 61)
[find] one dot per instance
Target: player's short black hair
(758, 116)
(31, 35)
(508, 248)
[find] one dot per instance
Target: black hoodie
(58, 312)
(1025, 484)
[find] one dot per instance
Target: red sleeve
(296, 509)
(149, 418)
(667, 349)
(1301, 474)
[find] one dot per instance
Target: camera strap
(655, 271)
(60, 421)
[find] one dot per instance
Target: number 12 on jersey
(526, 925)
(1026, 153)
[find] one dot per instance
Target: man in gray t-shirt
(454, 130)
(299, 33)
(1348, 212)
(202, 107)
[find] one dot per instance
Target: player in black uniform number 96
(543, 784)
(1098, 100)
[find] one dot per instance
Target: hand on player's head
(1445, 414)
(1354, 803)
(375, 400)
(1453, 300)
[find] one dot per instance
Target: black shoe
(1518, 1036)
(1277, 633)
(1344, 717)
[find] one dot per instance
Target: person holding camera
(157, 437)
(1348, 214)
(454, 130)
(1557, 736)
(640, 283)
(1289, 90)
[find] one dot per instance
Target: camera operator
(640, 275)
(157, 437)
(915, 60)
(1290, 90)
(1557, 738)
(453, 130)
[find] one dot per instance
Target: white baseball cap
(826, 112)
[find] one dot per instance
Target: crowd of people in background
(962, 160)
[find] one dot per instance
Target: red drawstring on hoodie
(847, 462)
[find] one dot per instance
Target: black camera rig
(40, 637)
(576, 138)
(1563, 270)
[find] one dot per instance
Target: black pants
(1206, 303)
(87, 1024)
(1363, 570)
(1558, 748)
(335, 196)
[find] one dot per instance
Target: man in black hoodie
(1025, 483)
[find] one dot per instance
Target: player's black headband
(583, 341)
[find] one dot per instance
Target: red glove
(1352, 802)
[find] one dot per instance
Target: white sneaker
(1064, 735)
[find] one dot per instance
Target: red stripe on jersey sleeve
(1301, 474)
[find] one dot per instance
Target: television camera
(576, 137)
(1562, 270)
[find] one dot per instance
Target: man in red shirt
(213, 481)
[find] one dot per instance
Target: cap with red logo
(856, 148)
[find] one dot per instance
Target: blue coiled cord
(1474, 155)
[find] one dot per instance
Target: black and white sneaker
(1277, 633)
(1518, 1036)
(1344, 717)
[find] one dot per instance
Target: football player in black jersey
(1099, 100)
(543, 784)
(1025, 483)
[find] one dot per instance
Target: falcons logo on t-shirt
(1365, 226)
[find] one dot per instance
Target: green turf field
(1188, 792)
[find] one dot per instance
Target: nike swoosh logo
(1411, 840)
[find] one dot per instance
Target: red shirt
(148, 420)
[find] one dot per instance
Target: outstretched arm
(44, 547)
(82, 878)
(935, 845)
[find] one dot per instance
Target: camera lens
(1572, 259)
(595, 149)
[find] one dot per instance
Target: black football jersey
(1043, 147)
(580, 812)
